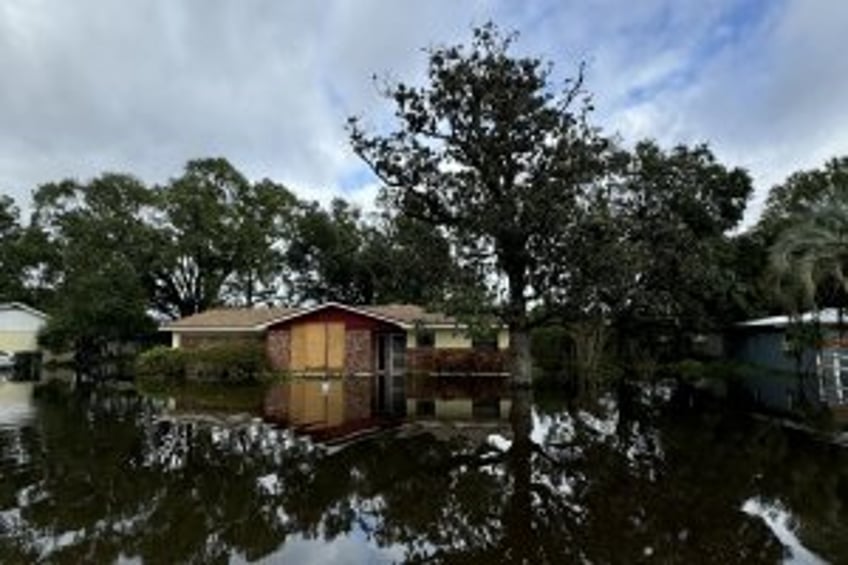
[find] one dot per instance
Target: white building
(19, 327)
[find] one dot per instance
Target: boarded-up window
(335, 346)
(318, 346)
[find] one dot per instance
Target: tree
(495, 158)
(264, 226)
(325, 256)
(409, 261)
(219, 234)
(810, 256)
(799, 193)
(11, 273)
(679, 206)
(105, 249)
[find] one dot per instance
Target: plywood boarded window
(298, 348)
(335, 346)
(318, 346)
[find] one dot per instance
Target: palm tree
(809, 259)
(811, 254)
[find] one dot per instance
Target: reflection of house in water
(16, 404)
(350, 363)
(775, 362)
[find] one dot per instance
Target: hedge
(226, 362)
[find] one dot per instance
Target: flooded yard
(106, 477)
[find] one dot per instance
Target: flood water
(103, 477)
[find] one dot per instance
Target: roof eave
(210, 329)
(345, 307)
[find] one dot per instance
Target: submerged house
(779, 368)
(19, 327)
(355, 362)
(20, 353)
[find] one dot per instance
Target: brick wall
(359, 357)
(357, 397)
(276, 403)
(278, 346)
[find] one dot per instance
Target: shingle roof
(259, 318)
(409, 314)
(236, 318)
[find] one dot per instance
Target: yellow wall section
(316, 346)
(451, 338)
(13, 342)
(335, 345)
(503, 339)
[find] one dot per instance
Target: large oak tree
(499, 157)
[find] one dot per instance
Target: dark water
(103, 479)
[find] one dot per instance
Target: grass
(212, 396)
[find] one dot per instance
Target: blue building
(777, 373)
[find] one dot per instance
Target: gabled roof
(258, 319)
(23, 307)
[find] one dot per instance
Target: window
(317, 346)
(425, 338)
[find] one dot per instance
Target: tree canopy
(488, 151)
(541, 210)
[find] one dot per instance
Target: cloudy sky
(143, 85)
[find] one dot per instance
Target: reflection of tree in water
(607, 485)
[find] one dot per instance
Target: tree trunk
(521, 362)
(518, 520)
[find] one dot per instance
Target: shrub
(232, 362)
(162, 362)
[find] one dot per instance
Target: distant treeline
(500, 201)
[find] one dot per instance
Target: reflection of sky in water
(16, 407)
(779, 522)
(399, 496)
(353, 548)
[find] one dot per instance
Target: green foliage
(536, 203)
(228, 362)
(236, 361)
(690, 370)
(801, 192)
(326, 255)
(551, 347)
(493, 156)
(220, 234)
(163, 363)
(101, 247)
(24, 256)
(810, 255)
(677, 206)
(467, 156)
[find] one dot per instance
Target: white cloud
(143, 86)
